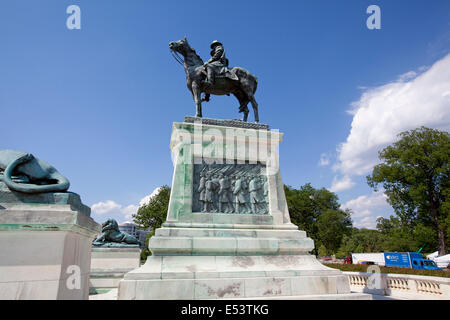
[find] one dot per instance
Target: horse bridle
(176, 56)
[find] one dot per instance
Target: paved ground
(112, 295)
(377, 297)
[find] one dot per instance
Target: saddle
(227, 73)
(224, 72)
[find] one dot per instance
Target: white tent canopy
(442, 261)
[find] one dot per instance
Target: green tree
(146, 251)
(154, 213)
(306, 206)
(361, 240)
(399, 236)
(332, 225)
(415, 176)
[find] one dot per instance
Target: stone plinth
(109, 265)
(249, 252)
(45, 248)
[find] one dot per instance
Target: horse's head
(191, 58)
(180, 46)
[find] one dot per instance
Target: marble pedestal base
(235, 263)
(109, 265)
(235, 277)
(45, 251)
(247, 253)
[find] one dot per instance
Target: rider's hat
(215, 43)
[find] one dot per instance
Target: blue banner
(397, 259)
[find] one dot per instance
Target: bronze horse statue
(243, 89)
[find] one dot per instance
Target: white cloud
(105, 207)
(366, 222)
(341, 184)
(324, 160)
(147, 198)
(413, 100)
(112, 208)
(364, 205)
(128, 211)
(366, 209)
(407, 76)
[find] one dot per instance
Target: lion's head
(110, 224)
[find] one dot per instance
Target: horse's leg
(255, 108)
(243, 101)
(206, 97)
(245, 115)
(196, 93)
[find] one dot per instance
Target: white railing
(402, 286)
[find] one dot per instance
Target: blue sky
(98, 103)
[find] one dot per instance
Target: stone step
(226, 288)
(201, 267)
(176, 224)
(227, 218)
(215, 232)
(228, 245)
(227, 277)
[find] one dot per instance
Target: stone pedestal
(109, 265)
(249, 252)
(45, 246)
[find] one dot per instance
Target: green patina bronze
(112, 237)
(214, 77)
(230, 188)
(22, 172)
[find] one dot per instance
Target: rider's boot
(209, 77)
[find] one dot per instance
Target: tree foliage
(154, 213)
(317, 211)
(390, 236)
(361, 240)
(415, 176)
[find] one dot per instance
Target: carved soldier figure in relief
(202, 191)
(210, 187)
(224, 194)
(256, 199)
(241, 190)
(265, 190)
(234, 197)
(216, 197)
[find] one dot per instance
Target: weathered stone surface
(241, 277)
(227, 123)
(11, 197)
(45, 249)
(213, 255)
(109, 265)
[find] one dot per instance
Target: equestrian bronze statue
(214, 77)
